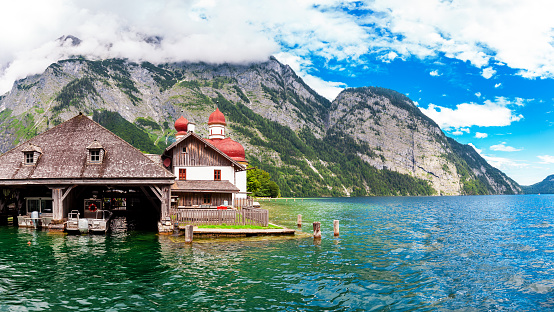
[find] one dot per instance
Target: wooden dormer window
(29, 158)
(31, 154)
(95, 156)
(95, 153)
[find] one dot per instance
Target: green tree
(259, 183)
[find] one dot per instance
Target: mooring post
(336, 227)
(299, 220)
(188, 234)
(317, 229)
(176, 228)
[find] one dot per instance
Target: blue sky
(483, 70)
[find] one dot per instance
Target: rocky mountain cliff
(368, 141)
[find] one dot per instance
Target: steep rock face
(493, 179)
(369, 141)
(405, 140)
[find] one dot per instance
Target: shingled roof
(65, 156)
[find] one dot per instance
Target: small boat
(101, 221)
(72, 224)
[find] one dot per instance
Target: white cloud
(214, 31)
(498, 85)
(389, 57)
(480, 135)
(473, 31)
(328, 89)
(489, 114)
(503, 148)
(435, 73)
(460, 131)
(478, 94)
(546, 159)
(245, 31)
(501, 163)
(488, 72)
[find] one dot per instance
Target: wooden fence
(245, 216)
(243, 202)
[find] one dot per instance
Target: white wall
(207, 173)
(241, 183)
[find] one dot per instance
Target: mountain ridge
(545, 186)
(368, 141)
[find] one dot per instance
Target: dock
(239, 232)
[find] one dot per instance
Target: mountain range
(367, 141)
(546, 186)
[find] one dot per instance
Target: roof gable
(210, 145)
(64, 155)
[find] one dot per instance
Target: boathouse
(80, 163)
(81, 166)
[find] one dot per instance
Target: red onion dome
(217, 117)
(231, 148)
(181, 125)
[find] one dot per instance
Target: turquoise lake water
(393, 254)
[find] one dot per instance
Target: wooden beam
(148, 196)
(64, 195)
(156, 191)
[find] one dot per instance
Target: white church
(209, 172)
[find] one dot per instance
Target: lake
(470, 253)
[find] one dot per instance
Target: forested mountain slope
(368, 141)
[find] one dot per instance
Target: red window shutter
(182, 174)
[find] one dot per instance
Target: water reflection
(457, 253)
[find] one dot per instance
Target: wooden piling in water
(336, 227)
(317, 229)
(299, 220)
(188, 234)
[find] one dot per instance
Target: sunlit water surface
(393, 254)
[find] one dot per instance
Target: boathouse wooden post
(57, 204)
(165, 201)
(58, 196)
(336, 227)
(188, 234)
(317, 229)
(299, 220)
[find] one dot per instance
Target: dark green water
(393, 254)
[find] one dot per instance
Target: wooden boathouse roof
(63, 155)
